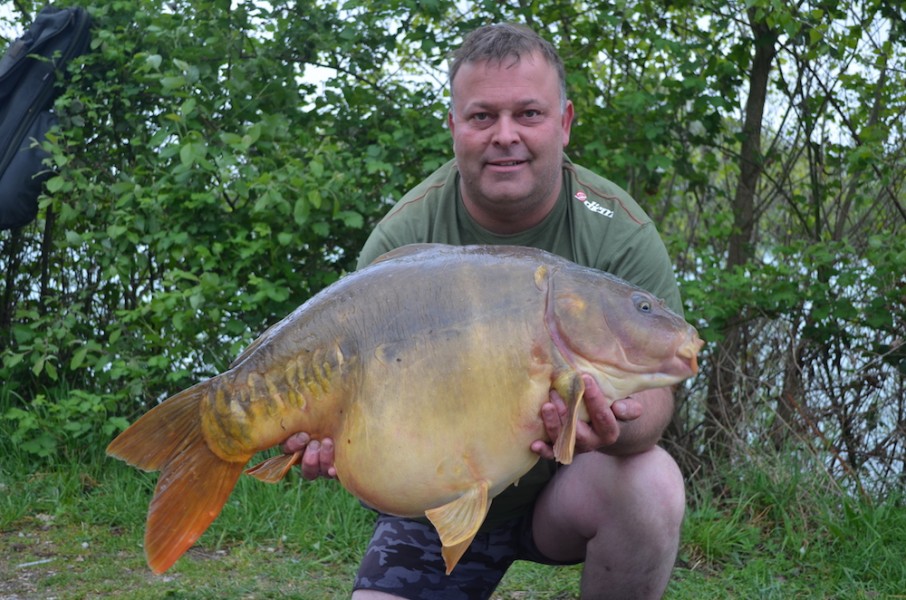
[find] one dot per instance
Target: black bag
(28, 86)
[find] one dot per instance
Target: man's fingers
(552, 419)
(543, 449)
(317, 460)
(295, 443)
(326, 458)
(627, 409)
(592, 391)
(311, 460)
(557, 401)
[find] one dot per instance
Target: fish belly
(433, 419)
(408, 473)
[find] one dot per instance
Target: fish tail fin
(190, 493)
(194, 483)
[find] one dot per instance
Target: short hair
(499, 41)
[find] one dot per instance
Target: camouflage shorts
(404, 559)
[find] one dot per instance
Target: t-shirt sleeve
(405, 224)
(415, 219)
(645, 262)
(378, 242)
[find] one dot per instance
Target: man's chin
(504, 199)
(506, 191)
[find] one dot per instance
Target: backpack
(29, 74)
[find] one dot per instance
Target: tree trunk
(12, 249)
(792, 397)
(722, 404)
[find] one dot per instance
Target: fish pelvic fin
(458, 521)
(194, 483)
(571, 388)
(275, 468)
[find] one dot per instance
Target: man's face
(508, 135)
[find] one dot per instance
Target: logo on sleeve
(592, 205)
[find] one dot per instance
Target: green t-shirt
(594, 223)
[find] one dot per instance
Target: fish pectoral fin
(458, 521)
(571, 388)
(275, 468)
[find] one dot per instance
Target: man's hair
(501, 41)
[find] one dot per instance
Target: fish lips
(689, 351)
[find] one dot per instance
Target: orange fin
(194, 483)
(458, 521)
(275, 468)
(162, 433)
(571, 388)
(189, 495)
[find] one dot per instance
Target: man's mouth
(506, 163)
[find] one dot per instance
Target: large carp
(428, 369)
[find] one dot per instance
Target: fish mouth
(690, 349)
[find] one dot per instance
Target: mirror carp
(428, 369)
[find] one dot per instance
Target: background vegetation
(220, 161)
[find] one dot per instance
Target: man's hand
(607, 424)
(317, 460)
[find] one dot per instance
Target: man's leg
(404, 560)
(622, 514)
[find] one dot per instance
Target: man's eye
(481, 117)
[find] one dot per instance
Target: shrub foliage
(217, 163)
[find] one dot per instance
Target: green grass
(74, 530)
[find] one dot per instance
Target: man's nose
(506, 131)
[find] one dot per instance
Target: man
(618, 507)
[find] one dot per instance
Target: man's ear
(567, 121)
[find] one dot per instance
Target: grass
(75, 531)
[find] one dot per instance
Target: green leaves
(193, 152)
(205, 183)
(55, 428)
(829, 287)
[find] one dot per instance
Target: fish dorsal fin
(458, 521)
(408, 250)
(254, 345)
(571, 388)
(275, 468)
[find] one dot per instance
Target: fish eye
(643, 304)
